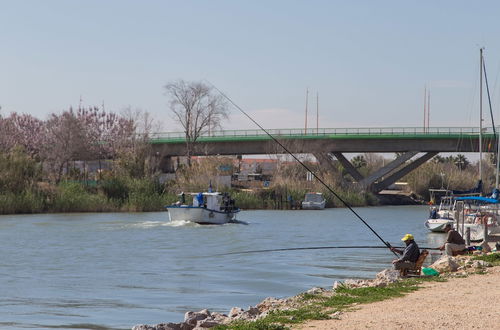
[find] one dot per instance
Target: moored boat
(478, 213)
(437, 225)
(440, 215)
(313, 201)
(206, 208)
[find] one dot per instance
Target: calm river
(116, 270)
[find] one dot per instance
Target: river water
(116, 270)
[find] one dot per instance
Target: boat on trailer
(207, 208)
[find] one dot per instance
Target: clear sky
(368, 60)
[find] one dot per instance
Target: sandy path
(459, 303)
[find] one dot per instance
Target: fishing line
(317, 248)
(303, 165)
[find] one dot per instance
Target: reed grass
(74, 197)
(25, 202)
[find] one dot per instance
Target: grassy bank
(328, 305)
(321, 307)
(129, 196)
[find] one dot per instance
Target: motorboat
(443, 214)
(437, 225)
(212, 208)
(313, 201)
(440, 215)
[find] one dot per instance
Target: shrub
(145, 195)
(25, 202)
(115, 188)
(73, 197)
(18, 171)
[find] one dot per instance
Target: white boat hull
(200, 215)
(477, 231)
(437, 225)
(313, 205)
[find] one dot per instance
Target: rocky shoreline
(204, 319)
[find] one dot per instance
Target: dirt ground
(459, 303)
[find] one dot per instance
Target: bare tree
(196, 108)
(65, 141)
(136, 158)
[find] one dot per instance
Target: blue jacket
(411, 252)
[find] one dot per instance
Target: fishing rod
(317, 248)
(305, 166)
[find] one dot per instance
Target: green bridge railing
(330, 132)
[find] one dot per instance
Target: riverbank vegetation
(91, 160)
(492, 258)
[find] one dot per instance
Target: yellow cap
(407, 237)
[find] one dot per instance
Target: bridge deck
(330, 133)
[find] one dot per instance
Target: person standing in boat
(409, 255)
(454, 241)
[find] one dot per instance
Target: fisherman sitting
(454, 241)
(409, 255)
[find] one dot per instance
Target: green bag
(430, 271)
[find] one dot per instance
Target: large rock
(270, 303)
(235, 312)
(445, 264)
(389, 275)
(316, 290)
(163, 326)
(192, 318)
(480, 264)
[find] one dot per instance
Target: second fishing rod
(305, 166)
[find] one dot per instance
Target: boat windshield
(314, 198)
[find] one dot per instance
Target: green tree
(18, 171)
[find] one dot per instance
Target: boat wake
(180, 223)
(149, 224)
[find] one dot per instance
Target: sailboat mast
(498, 163)
(307, 100)
(425, 102)
(428, 109)
(481, 114)
(317, 113)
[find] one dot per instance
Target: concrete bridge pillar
(375, 176)
(348, 166)
(386, 182)
(382, 178)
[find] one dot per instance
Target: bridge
(413, 145)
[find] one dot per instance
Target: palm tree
(359, 161)
(438, 159)
(461, 162)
